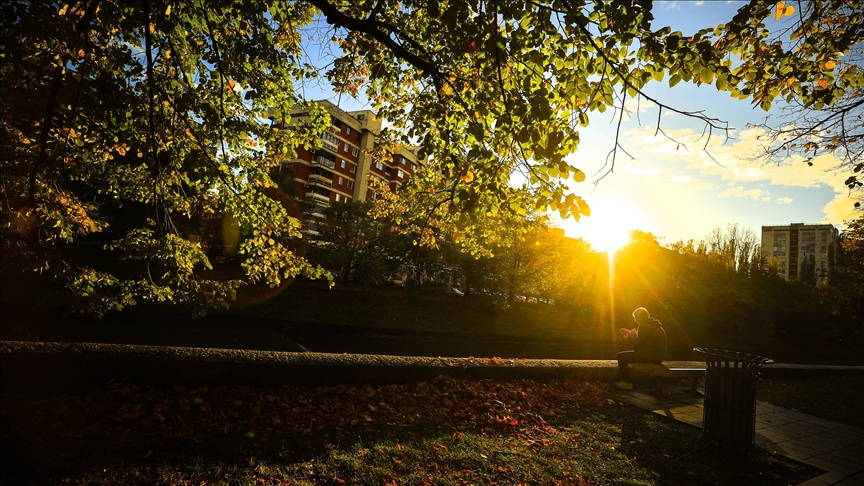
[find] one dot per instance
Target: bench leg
(694, 385)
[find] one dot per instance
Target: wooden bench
(661, 371)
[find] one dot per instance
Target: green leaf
(583, 119)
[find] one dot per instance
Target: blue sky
(678, 192)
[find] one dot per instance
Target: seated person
(649, 346)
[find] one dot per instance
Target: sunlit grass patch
(441, 431)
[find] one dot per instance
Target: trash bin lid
(713, 356)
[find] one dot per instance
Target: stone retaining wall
(58, 367)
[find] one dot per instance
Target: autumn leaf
(783, 10)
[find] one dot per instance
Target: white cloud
(690, 183)
(730, 160)
(784, 200)
(840, 209)
(641, 172)
(741, 192)
(638, 104)
(766, 199)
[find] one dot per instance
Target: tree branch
(370, 27)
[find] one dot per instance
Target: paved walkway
(836, 448)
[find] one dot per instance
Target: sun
(609, 226)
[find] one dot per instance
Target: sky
(676, 190)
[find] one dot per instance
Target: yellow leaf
(778, 14)
(830, 65)
(468, 177)
(250, 434)
(81, 53)
(789, 11)
(168, 10)
(63, 10)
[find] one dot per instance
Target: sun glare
(609, 226)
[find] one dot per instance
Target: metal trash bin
(729, 411)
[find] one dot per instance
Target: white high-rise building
(795, 244)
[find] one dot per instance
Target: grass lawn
(442, 431)
(836, 398)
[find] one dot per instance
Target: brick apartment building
(792, 244)
(340, 171)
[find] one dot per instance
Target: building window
(343, 163)
(347, 199)
(379, 166)
(355, 152)
(353, 168)
(350, 184)
(341, 180)
(338, 197)
(400, 173)
(413, 167)
(346, 147)
(347, 130)
(356, 135)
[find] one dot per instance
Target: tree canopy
(129, 124)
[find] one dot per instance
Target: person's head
(641, 315)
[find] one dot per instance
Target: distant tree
(847, 279)
(807, 272)
(735, 248)
(353, 244)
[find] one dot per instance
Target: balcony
(318, 199)
(330, 142)
(322, 161)
(316, 213)
(320, 180)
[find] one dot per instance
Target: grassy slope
(259, 315)
(836, 398)
(401, 310)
